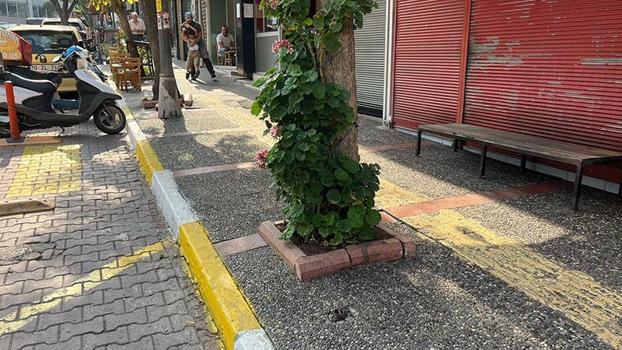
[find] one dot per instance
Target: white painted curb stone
(172, 204)
(253, 340)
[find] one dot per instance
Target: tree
(308, 102)
(150, 18)
(168, 98)
(338, 68)
(64, 9)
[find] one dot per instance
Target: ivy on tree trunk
(338, 68)
(308, 103)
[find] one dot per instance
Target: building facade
(539, 67)
(17, 11)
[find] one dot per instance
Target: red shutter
(428, 40)
(547, 68)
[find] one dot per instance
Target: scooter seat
(42, 86)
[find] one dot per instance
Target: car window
(42, 40)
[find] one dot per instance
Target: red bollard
(10, 100)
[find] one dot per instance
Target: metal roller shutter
(547, 68)
(428, 44)
(370, 45)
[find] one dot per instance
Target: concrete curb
(233, 315)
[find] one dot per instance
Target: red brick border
(468, 200)
(308, 267)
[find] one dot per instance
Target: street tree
(168, 98)
(309, 104)
(64, 9)
(151, 24)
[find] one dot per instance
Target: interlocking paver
(79, 277)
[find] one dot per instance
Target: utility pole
(168, 101)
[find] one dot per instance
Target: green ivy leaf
(333, 196)
(331, 43)
(356, 216)
(335, 26)
(373, 217)
(349, 165)
(343, 225)
(342, 176)
(256, 108)
(308, 22)
(319, 90)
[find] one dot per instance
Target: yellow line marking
(47, 170)
(147, 160)
(80, 286)
(391, 195)
(233, 315)
(575, 294)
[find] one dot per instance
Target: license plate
(46, 67)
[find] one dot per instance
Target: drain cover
(340, 314)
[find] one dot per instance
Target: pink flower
(273, 4)
(282, 44)
(276, 131)
(260, 158)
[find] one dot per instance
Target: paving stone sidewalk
(99, 271)
(523, 272)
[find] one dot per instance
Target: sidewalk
(501, 262)
(100, 270)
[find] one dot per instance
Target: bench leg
(523, 163)
(577, 187)
(418, 150)
(482, 161)
(454, 145)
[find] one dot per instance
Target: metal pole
(10, 101)
(168, 102)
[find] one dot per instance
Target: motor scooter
(33, 100)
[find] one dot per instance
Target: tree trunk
(168, 101)
(151, 25)
(118, 6)
(339, 69)
(61, 8)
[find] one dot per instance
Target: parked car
(46, 44)
(85, 32)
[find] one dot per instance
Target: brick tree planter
(308, 267)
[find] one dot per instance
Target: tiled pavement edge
(99, 271)
(234, 317)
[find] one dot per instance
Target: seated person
(225, 41)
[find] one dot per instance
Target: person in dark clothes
(202, 44)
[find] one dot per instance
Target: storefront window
(22, 10)
(264, 24)
(12, 9)
(3, 11)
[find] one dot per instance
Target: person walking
(201, 42)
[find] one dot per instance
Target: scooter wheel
(109, 119)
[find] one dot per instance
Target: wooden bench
(525, 145)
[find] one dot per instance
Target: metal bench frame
(498, 142)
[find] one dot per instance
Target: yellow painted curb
(229, 309)
(147, 160)
(225, 301)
